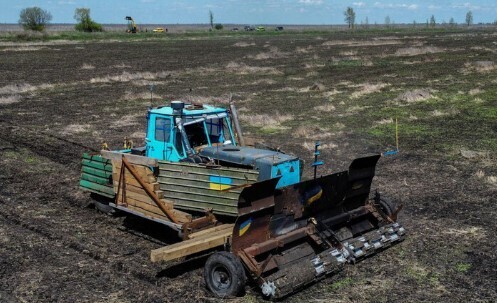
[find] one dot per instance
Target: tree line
(36, 19)
(350, 17)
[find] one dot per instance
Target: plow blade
(293, 236)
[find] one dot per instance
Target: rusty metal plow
(286, 243)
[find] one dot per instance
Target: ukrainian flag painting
(220, 183)
(244, 227)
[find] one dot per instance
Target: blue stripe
(220, 180)
(246, 223)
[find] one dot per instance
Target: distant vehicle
(260, 29)
(249, 28)
(158, 30)
(235, 29)
(132, 27)
(278, 28)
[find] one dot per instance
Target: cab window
(218, 130)
(214, 129)
(196, 134)
(162, 129)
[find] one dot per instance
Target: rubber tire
(387, 206)
(105, 208)
(229, 265)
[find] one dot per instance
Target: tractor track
(64, 156)
(79, 248)
(53, 151)
(110, 263)
(67, 153)
(49, 135)
(120, 257)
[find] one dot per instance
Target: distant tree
(433, 22)
(366, 22)
(469, 18)
(349, 16)
(452, 23)
(34, 18)
(387, 21)
(211, 19)
(85, 23)
(414, 23)
(218, 26)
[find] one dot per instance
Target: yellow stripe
(315, 197)
(244, 230)
(217, 186)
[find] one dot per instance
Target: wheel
(105, 208)
(102, 205)
(224, 274)
(387, 206)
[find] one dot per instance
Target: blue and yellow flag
(244, 227)
(220, 183)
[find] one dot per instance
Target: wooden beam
(153, 211)
(143, 197)
(133, 182)
(192, 246)
(135, 159)
(151, 194)
(143, 171)
(208, 231)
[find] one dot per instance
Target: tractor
(247, 207)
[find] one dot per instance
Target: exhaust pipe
(236, 123)
(178, 107)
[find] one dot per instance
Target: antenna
(151, 88)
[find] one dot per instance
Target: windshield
(208, 130)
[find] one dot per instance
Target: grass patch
(31, 160)
(463, 267)
(249, 298)
(10, 154)
(444, 122)
(347, 63)
(485, 112)
(32, 163)
(341, 283)
(270, 130)
(422, 275)
(487, 144)
(406, 129)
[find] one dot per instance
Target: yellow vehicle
(132, 28)
(158, 30)
(260, 29)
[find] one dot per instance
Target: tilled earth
(59, 99)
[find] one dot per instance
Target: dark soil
(56, 247)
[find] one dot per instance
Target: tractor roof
(189, 110)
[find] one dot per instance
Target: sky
(312, 12)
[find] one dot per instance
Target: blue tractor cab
(177, 132)
(203, 133)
